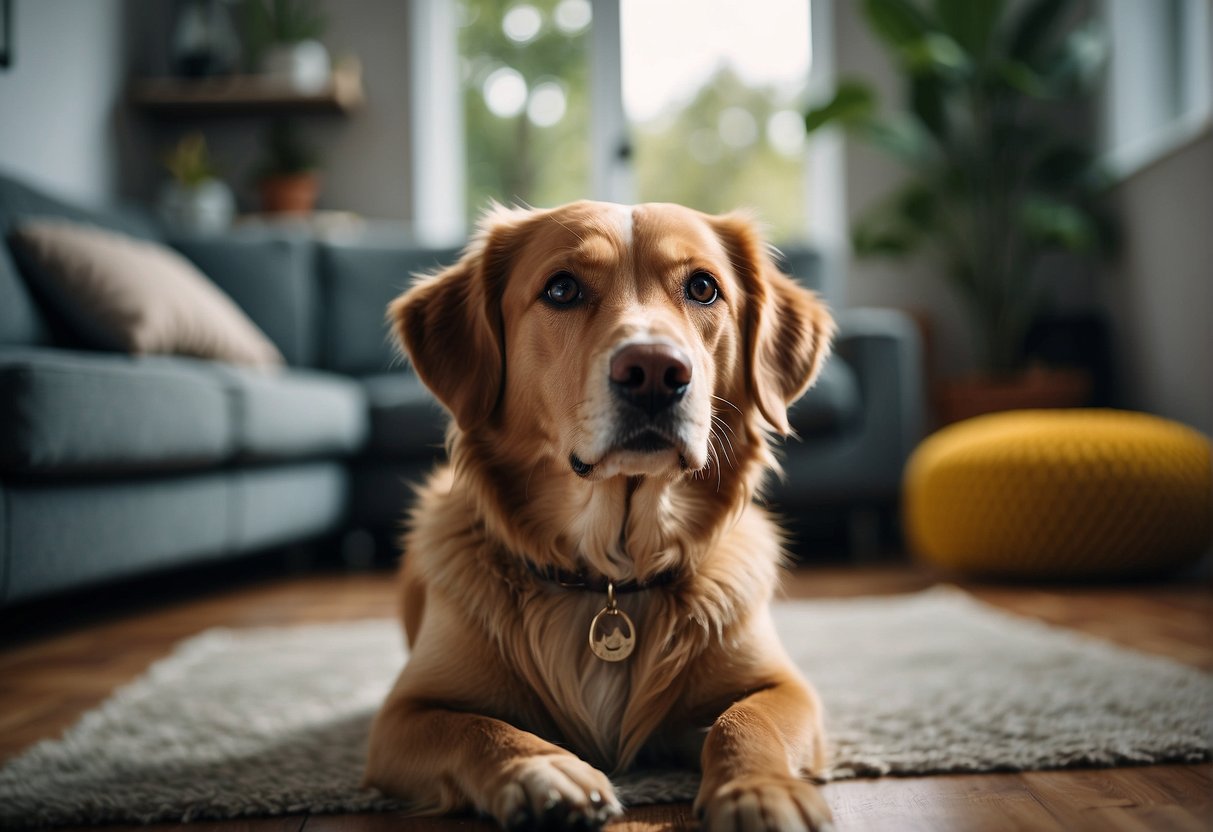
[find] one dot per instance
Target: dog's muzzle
(650, 377)
(647, 379)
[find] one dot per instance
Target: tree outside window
(719, 129)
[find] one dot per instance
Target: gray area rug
(273, 721)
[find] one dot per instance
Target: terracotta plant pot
(289, 194)
(1036, 387)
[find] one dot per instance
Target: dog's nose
(650, 376)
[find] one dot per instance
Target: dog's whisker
(726, 401)
(718, 420)
(566, 228)
(712, 453)
(571, 410)
(716, 414)
(731, 452)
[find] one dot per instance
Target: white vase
(303, 66)
(205, 208)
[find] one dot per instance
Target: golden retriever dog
(586, 585)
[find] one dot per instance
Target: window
(526, 107)
(1158, 92)
(691, 101)
(714, 95)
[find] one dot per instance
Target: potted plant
(195, 199)
(283, 39)
(997, 179)
(288, 178)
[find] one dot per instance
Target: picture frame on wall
(6, 34)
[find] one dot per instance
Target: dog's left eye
(562, 289)
(701, 288)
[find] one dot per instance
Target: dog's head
(614, 340)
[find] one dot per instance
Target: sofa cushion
(357, 283)
(277, 504)
(271, 277)
(293, 413)
(65, 535)
(137, 296)
(832, 404)
(77, 412)
(406, 420)
(21, 320)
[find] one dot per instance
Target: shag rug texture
(273, 721)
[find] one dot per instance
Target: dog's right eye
(562, 289)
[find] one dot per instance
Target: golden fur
(502, 707)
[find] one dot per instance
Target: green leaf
(897, 21)
(877, 242)
(900, 223)
(1079, 60)
(853, 103)
(970, 23)
(902, 138)
(1052, 221)
(927, 100)
(918, 206)
(1023, 78)
(936, 54)
(1064, 167)
(1032, 32)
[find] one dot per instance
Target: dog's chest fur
(589, 698)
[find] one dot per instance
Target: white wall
(869, 174)
(1161, 299)
(364, 157)
(367, 155)
(59, 98)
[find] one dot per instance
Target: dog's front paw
(764, 804)
(554, 791)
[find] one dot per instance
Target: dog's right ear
(450, 325)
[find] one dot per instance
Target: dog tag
(612, 634)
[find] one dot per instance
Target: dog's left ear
(787, 328)
(450, 323)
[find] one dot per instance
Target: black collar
(591, 582)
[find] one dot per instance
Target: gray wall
(364, 157)
(367, 156)
(64, 123)
(1161, 298)
(869, 175)
(1159, 295)
(60, 99)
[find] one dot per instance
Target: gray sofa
(113, 465)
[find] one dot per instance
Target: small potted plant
(288, 178)
(195, 199)
(282, 38)
(997, 178)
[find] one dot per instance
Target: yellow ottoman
(1061, 494)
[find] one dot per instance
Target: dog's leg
(754, 760)
(445, 760)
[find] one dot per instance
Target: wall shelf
(258, 95)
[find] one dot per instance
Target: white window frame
(1130, 144)
(611, 172)
(437, 128)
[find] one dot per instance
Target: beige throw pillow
(138, 296)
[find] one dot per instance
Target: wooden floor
(47, 681)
